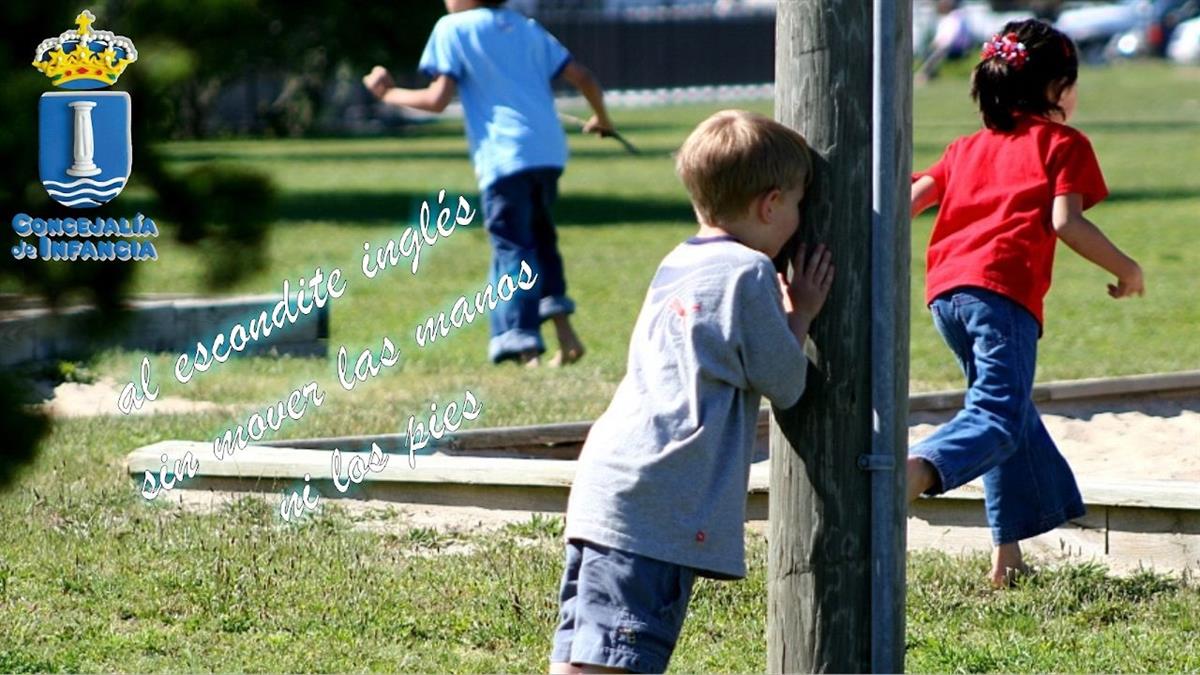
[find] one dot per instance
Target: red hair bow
(1006, 47)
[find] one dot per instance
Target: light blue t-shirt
(502, 63)
(664, 471)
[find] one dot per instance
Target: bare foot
(570, 347)
(565, 359)
(1007, 565)
(572, 669)
(529, 359)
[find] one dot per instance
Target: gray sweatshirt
(664, 470)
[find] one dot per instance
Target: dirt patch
(74, 399)
(377, 516)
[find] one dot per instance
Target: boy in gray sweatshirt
(659, 496)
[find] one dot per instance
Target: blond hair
(733, 157)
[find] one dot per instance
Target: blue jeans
(516, 211)
(619, 609)
(1028, 486)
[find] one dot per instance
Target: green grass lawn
(618, 215)
(94, 578)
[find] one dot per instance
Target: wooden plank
(937, 400)
(500, 497)
(1071, 390)
(281, 461)
(67, 335)
(565, 452)
(542, 434)
(32, 335)
(1158, 538)
(1158, 494)
(958, 526)
(547, 441)
(292, 463)
(757, 506)
(1122, 537)
(18, 341)
(200, 320)
(155, 328)
(1122, 386)
(520, 440)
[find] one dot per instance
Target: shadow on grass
(1139, 126)
(402, 155)
(1156, 194)
(312, 149)
(401, 207)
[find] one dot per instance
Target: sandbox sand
(1145, 438)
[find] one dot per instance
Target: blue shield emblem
(86, 151)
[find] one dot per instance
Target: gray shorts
(619, 609)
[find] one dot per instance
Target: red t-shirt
(995, 193)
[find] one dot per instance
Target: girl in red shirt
(1006, 194)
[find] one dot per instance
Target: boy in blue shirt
(659, 495)
(501, 64)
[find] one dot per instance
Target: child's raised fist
(378, 81)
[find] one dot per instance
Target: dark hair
(1030, 84)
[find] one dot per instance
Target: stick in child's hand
(571, 119)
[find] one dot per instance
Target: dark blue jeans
(619, 609)
(517, 218)
(1028, 486)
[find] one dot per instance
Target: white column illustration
(85, 145)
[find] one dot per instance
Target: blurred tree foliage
(188, 51)
(210, 44)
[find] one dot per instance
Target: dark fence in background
(628, 44)
(670, 51)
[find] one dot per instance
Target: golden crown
(83, 58)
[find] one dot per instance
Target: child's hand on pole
(812, 277)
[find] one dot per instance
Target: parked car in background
(1159, 21)
(1167, 17)
(1094, 26)
(1184, 46)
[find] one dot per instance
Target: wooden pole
(820, 556)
